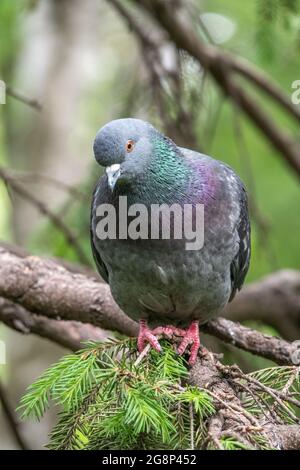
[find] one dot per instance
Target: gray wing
(240, 264)
(96, 255)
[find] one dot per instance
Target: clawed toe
(191, 337)
(147, 336)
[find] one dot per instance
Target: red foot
(147, 336)
(191, 337)
(168, 331)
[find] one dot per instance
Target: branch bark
(45, 288)
(274, 300)
(270, 347)
(231, 419)
(69, 334)
(288, 436)
(46, 291)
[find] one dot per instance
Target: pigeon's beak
(113, 172)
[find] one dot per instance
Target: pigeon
(169, 289)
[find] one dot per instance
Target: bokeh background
(82, 66)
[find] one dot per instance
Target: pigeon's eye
(129, 146)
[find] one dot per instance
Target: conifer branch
(110, 403)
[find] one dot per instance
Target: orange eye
(129, 146)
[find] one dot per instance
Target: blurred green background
(105, 85)
(80, 61)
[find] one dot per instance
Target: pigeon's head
(124, 147)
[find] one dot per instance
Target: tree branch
(29, 176)
(265, 83)
(47, 289)
(179, 124)
(270, 347)
(33, 103)
(44, 209)
(221, 68)
(69, 334)
(21, 252)
(274, 300)
(231, 419)
(287, 435)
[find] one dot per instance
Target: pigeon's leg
(169, 331)
(191, 337)
(147, 336)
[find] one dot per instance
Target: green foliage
(229, 443)
(284, 380)
(202, 402)
(9, 35)
(109, 402)
(109, 399)
(270, 13)
(65, 383)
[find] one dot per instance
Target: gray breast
(166, 284)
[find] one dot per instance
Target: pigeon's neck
(167, 177)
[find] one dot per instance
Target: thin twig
(191, 413)
(31, 102)
(255, 399)
(142, 355)
(57, 221)
(283, 393)
(34, 176)
(239, 374)
(220, 66)
(236, 410)
(11, 419)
